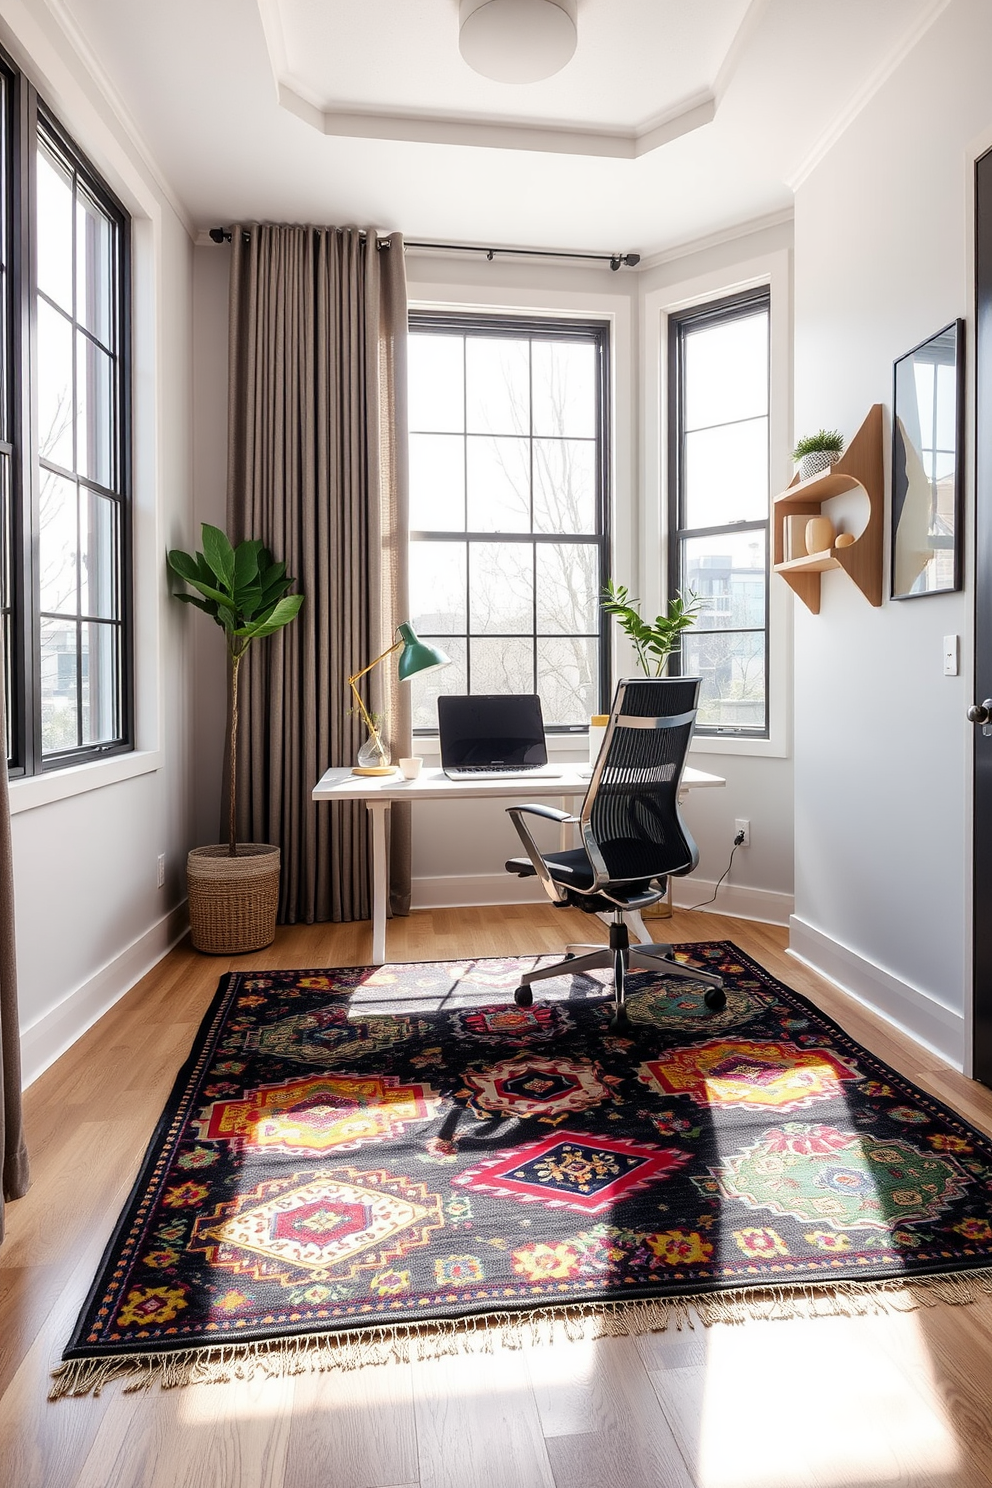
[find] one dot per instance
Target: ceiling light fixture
(517, 41)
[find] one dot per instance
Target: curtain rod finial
(220, 235)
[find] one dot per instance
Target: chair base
(621, 957)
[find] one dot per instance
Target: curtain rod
(615, 260)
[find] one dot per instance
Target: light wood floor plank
(353, 1429)
(600, 1417)
(806, 1403)
(478, 1424)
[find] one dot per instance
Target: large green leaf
(217, 595)
(286, 610)
(184, 564)
(249, 601)
(246, 557)
(207, 605)
(219, 554)
(271, 573)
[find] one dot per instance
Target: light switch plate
(950, 656)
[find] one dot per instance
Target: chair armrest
(551, 812)
(556, 894)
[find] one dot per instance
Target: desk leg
(379, 816)
(566, 838)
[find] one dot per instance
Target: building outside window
(508, 504)
(65, 449)
(718, 505)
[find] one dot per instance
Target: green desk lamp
(416, 657)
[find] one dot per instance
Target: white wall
(90, 918)
(882, 747)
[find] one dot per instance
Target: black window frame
(723, 310)
(544, 328)
(28, 121)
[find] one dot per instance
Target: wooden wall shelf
(859, 467)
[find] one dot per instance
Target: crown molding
(435, 129)
(131, 135)
(714, 240)
(497, 134)
(872, 84)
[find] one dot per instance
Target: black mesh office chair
(633, 837)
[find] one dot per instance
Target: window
(718, 518)
(508, 503)
(64, 451)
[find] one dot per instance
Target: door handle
(982, 713)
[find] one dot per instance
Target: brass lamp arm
(366, 716)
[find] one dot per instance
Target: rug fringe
(482, 1333)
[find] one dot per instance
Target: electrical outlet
(161, 870)
(743, 825)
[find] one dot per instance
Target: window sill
(41, 790)
(772, 748)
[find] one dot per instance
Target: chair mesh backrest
(631, 813)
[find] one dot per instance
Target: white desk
(380, 791)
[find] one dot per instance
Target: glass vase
(374, 753)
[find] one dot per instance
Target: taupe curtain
(12, 1149)
(317, 468)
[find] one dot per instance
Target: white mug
(410, 768)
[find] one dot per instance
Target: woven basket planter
(233, 901)
(816, 461)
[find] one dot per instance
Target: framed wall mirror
(927, 457)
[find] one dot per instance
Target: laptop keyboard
(497, 773)
(521, 772)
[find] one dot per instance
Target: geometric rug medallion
(350, 1157)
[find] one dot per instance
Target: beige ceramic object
(819, 535)
(843, 539)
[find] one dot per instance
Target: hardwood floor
(832, 1402)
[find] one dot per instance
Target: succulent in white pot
(816, 452)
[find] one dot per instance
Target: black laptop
(499, 734)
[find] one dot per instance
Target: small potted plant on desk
(234, 887)
(654, 640)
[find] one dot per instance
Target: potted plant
(654, 640)
(234, 888)
(818, 452)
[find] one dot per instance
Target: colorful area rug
(352, 1159)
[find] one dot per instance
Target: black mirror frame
(898, 463)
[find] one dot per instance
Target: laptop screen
(502, 730)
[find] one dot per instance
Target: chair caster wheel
(716, 999)
(523, 997)
(568, 956)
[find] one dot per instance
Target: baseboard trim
(938, 1028)
(766, 905)
(504, 888)
(58, 1029)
